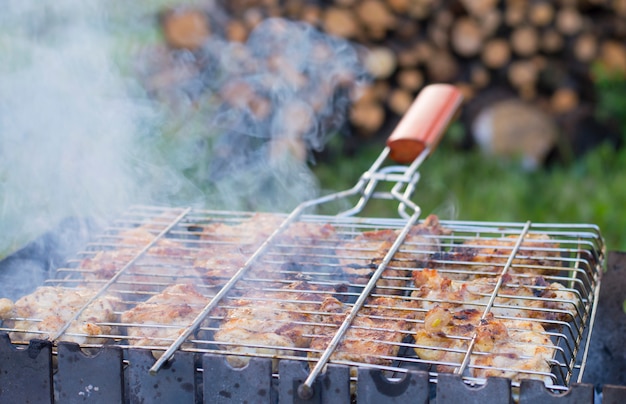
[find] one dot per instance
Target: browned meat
(250, 231)
(226, 248)
(517, 349)
(542, 300)
(6, 308)
(168, 261)
(307, 234)
(361, 256)
(43, 313)
(163, 317)
(217, 266)
(374, 336)
(538, 255)
(270, 322)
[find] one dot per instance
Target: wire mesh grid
(478, 299)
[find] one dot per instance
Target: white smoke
(69, 123)
(78, 137)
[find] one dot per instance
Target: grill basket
(197, 305)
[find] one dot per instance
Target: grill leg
(330, 387)
(373, 387)
(613, 394)
(25, 374)
(224, 384)
(174, 383)
(451, 390)
(534, 391)
(80, 377)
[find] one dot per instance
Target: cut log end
(564, 100)
(186, 29)
(381, 62)
(340, 22)
(496, 53)
(467, 37)
(569, 21)
(525, 41)
(516, 129)
(400, 100)
(367, 117)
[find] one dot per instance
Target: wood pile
(538, 51)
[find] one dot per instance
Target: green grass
(467, 185)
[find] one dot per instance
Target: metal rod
(408, 176)
(305, 389)
(411, 185)
(594, 307)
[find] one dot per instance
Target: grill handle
(424, 124)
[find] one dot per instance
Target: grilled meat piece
(538, 255)
(106, 263)
(361, 256)
(539, 299)
(270, 322)
(6, 308)
(43, 313)
(163, 317)
(166, 262)
(218, 266)
(248, 231)
(516, 349)
(374, 336)
(226, 248)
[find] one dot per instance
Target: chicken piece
(516, 349)
(374, 336)
(270, 322)
(304, 244)
(43, 313)
(142, 236)
(158, 321)
(6, 308)
(166, 262)
(361, 256)
(249, 231)
(541, 300)
(106, 263)
(260, 226)
(538, 255)
(522, 351)
(228, 247)
(217, 267)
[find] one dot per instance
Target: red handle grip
(425, 122)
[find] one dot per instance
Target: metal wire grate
(249, 285)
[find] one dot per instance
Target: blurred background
(261, 104)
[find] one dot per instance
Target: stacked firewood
(539, 52)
